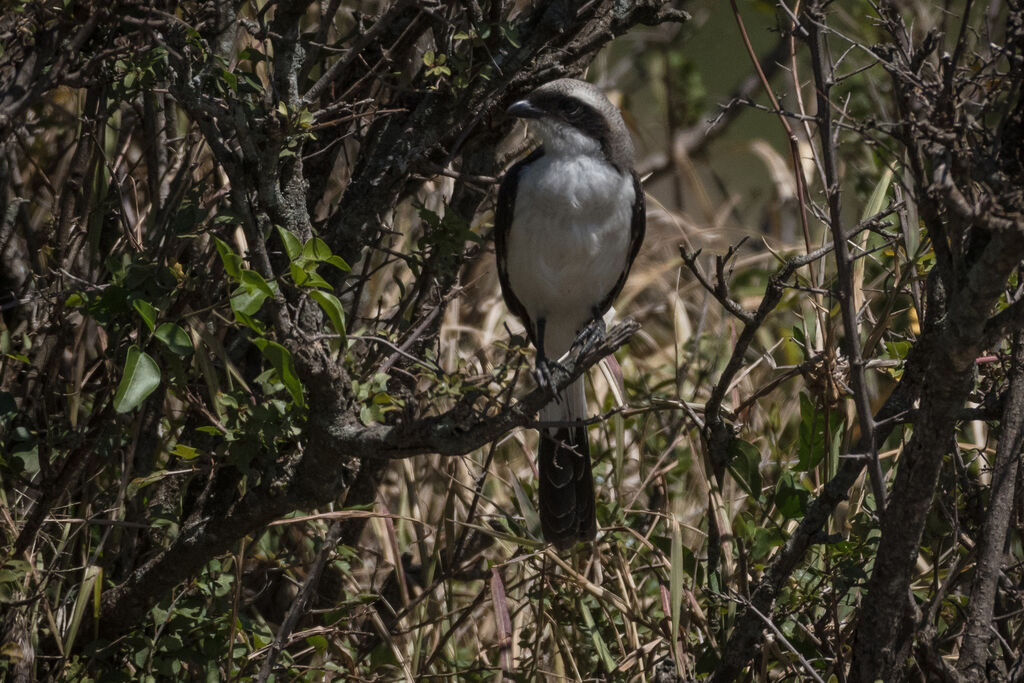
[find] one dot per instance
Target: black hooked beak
(525, 109)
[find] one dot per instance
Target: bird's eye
(572, 108)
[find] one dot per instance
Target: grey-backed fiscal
(569, 223)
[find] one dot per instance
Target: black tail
(566, 486)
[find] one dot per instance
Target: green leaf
(338, 263)
(530, 516)
(176, 339)
(250, 322)
(247, 300)
(141, 377)
(146, 311)
(230, 79)
(281, 359)
(332, 307)
(304, 274)
(252, 279)
(76, 300)
(877, 200)
(88, 591)
(299, 275)
(318, 643)
(315, 249)
(232, 261)
(790, 497)
(185, 452)
(595, 635)
(251, 54)
(141, 482)
(744, 465)
(292, 246)
(814, 441)
(313, 279)
(765, 538)
(675, 581)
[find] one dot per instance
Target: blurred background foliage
(142, 367)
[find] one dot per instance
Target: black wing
(503, 214)
(637, 229)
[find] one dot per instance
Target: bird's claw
(544, 376)
(589, 337)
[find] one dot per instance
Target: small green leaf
(185, 452)
(313, 279)
(744, 465)
(252, 279)
(530, 515)
(765, 538)
(141, 377)
(790, 497)
(877, 200)
(281, 359)
(814, 440)
(88, 591)
(332, 307)
(230, 79)
(247, 300)
(675, 581)
(232, 261)
(250, 322)
(304, 274)
(315, 249)
(176, 339)
(146, 311)
(595, 636)
(141, 482)
(338, 263)
(75, 300)
(510, 34)
(318, 643)
(299, 275)
(292, 246)
(251, 54)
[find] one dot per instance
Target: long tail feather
(566, 480)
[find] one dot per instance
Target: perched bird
(569, 222)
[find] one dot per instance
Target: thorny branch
(959, 324)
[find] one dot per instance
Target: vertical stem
(822, 67)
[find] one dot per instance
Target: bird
(569, 221)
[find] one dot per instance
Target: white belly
(568, 242)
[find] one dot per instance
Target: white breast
(569, 241)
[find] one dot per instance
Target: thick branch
(316, 476)
(978, 631)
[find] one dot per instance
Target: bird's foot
(544, 375)
(588, 338)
